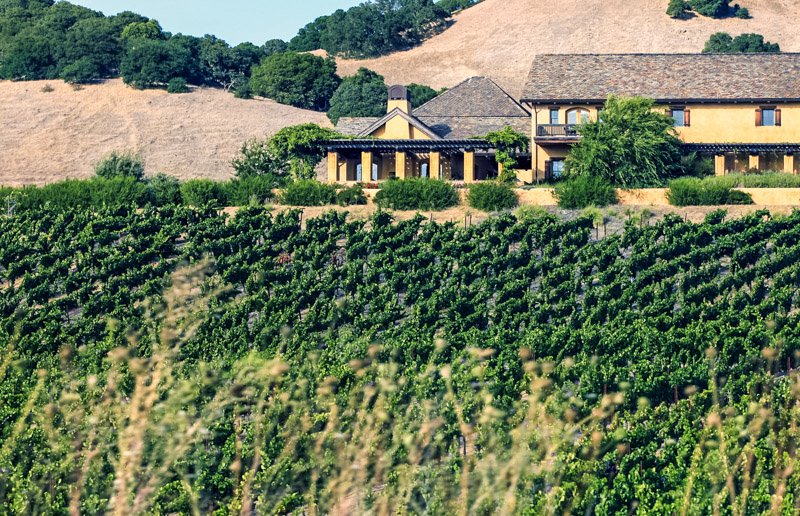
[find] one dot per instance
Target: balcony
(557, 132)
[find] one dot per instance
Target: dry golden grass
(500, 38)
(49, 136)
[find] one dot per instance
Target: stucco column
(333, 167)
(719, 164)
(754, 161)
(366, 166)
(435, 165)
(788, 163)
(400, 165)
(469, 166)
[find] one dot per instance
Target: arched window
(577, 116)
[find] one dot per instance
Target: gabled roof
(664, 77)
(474, 97)
(415, 122)
(353, 126)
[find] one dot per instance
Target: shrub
(677, 8)
(241, 191)
(120, 164)
(416, 194)
(47, 89)
(491, 196)
(530, 212)
(242, 89)
(203, 192)
(118, 191)
(691, 191)
(582, 191)
(308, 192)
(80, 194)
(177, 85)
(351, 196)
(165, 189)
(742, 13)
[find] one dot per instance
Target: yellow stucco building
(440, 139)
(741, 109)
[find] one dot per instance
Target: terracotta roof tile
(476, 96)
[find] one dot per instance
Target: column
(788, 163)
(333, 167)
(719, 164)
(754, 161)
(469, 166)
(400, 165)
(366, 166)
(435, 165)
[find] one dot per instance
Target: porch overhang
(749, 148)
(422, 146)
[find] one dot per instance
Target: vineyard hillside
(49, 136)
(499, 38)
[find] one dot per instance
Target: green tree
(120, 164)
(299, 149)
(362, 94)
(508, 143)
(300, 80)
(677, 8)
(420, 94)
(273, 46)
(722, 42)
(710, 8)
(150, 62)
(150, 29)
(631, 146)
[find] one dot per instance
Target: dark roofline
(664, 101)
(376, 144)
(719, 148)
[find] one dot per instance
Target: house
(741, 109)
(440, 139)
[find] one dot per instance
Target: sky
(234, 21)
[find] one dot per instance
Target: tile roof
(472, 108)
(767, 76)
(460, 127)
(476, 96)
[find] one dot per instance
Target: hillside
(499, 38)
(47, 137)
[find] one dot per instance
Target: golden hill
(499, 38)
(50, 136)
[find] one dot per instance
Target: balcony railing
(557, 131)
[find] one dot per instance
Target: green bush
(80, 194)
(165, 189)
(530, 212)
(581, 191)
(351, 196)
(416, 194)
(203, 192)
(491, 196)
(690, 191)
(307, 192)
(243, 191)
(120, 164)
(177, 85)
(118, 191)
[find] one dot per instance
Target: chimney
(399, 97)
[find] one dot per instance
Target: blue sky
(232, 20)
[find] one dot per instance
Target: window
(678, 117)
(374, 171)
(358, 172)
(577, 116)
(554, 116)
(424, 170)
(768, 116)
(557, 168)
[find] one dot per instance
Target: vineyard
(180, 361)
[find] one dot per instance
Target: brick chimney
(399, 97)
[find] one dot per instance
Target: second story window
(768, 116)
(680, 116)
(577, 116)
(554, 116)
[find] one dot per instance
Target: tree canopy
(373, 28)
(632, 145)
(507, 143)
(362, 94)
(723, 42)
(300, 80)
(299, 148)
